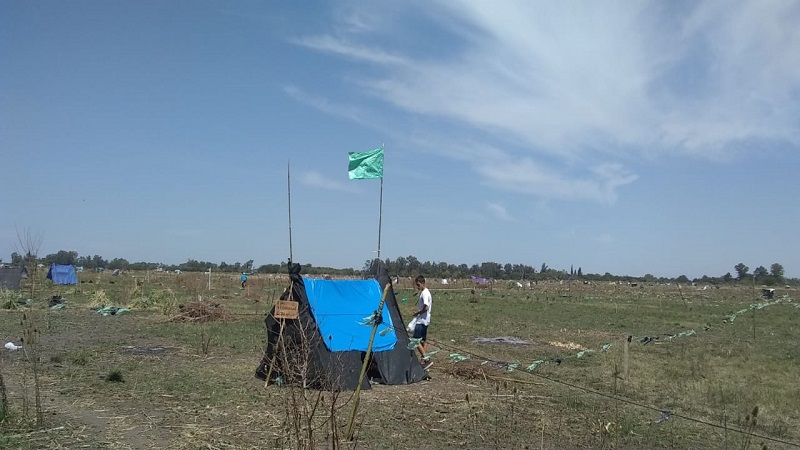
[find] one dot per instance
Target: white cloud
(498, 211)
(325, 105)
(526, 176)
(338, 46)
(584, 85)
(317, 180)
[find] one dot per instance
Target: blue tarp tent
(339, 305)
(326, 344)
(62, 274)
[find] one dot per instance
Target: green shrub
(10, 299)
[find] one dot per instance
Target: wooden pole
(280, 336)
(274, 354)
(351, 421)
(380, 220)
(289, 189)
(755, 299)
(625, 346)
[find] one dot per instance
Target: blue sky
(631, 138)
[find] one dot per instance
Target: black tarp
(10, 277)
(308, 360)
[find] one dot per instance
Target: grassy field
(159, 377)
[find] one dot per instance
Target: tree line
(410, 266)
(773, 276)
(92, 262)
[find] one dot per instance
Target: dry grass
(202, 312)
(10, 299)
(179, 398)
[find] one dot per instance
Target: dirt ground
(214, 401)
(151, 380)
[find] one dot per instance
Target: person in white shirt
(423, 316)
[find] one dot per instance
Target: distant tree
(413, 265)
(223, 266)
(741, 271)
(119, 263)
(760, 274)
(367, 265)
(197, 266)
(401, 267)
(444, 270)
(63, 257)
(16, 259)
(682, 279)
(580, 273)
(491, 270)
(142, 266)
(727, 277)
(776, 270)
(98, 261)
(248, 266)
(544, 268)
(84, 261)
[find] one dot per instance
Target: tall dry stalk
(30, 348)
(295, 356)
(750, 423)
(3, 398)
(196, 284)
(28, 244)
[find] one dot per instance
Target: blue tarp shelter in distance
(62, 274)
(339, 305)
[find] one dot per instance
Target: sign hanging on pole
(286, 309)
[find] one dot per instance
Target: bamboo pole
(280, 337)
(625, 344)
(351, 421)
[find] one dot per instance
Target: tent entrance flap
(339, 308)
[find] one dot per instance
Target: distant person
(244, 280)
(423, 316)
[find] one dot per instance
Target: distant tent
(479, 280)
(326, 345)
(10, 277)
(62, 274)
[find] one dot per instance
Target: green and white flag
(366, 165)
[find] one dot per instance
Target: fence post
(625, 346)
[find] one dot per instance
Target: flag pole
(289, 189)
(380, 212)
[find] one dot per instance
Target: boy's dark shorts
(421, 331)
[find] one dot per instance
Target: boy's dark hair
(419, 279)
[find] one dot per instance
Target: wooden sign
(285, 309)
